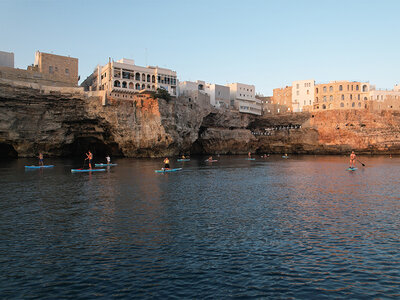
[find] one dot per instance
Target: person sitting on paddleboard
(108, 159)
(166, 163)
(41, 159)
(183, 157)
(352, 160)
(210, 158)
(89, 156)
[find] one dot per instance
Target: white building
(126, 77)
(219, 95)
(186, 87)
(242, 97)
(302, 94)
(382, 95)
(6, 59)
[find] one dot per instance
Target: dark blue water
(302, 228)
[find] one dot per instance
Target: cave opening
(7, 151)
(82, 145)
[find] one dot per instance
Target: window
(308, 92)
(351, 97)
(351, 87)
(51, 69)
(348, 87)
(297, 93)
(357, 87)
(341, 104)
(143, 77)
(316, 90)
(137, 76)
(353, 104)
(342, 97)
(359, 104)
(324, 89)
(323, 106)
(297, 85)
(67, 71)
(137, 86)
(131, 85)
(331, 88)
(124, 84)
(148, 78)
(153, 79)
(324, 98)
(340, 88)
(117, 83)
(358, 97)
(330, 98)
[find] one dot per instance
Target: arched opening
(342, 97)
(148, 77)
(316, 90)
(137, 76)
(137, 86)
(124, 84)
(324, 89)
(153, 79)
(365, 98)
(359, 104)
(331, 89)
(341, 104)
(365, 88)
(340, 88)
(353, 104)
(201, 87)
(153, 87)
(143, 77)
(131, 85)
(117, 83)
(81, 145)
(143, 86)
(148, 86)
(323, 106)
(7, 151)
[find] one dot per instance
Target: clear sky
(265, 43)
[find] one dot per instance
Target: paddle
(361, 163)
(83, 164)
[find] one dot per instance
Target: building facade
(242, 97)
(219, 95)
(124, 77)
(341, 95)
(6, 59)
(282, 99)
(385, 99)
(58, 67)
(302, 95)
(191, 86)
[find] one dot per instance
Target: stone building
(6, 59)
(385, 99)
(341, 95)
(242, 97)
(123, 78)
(59, 68)
(282, 100)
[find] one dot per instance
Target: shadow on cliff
(81, 145)
(7, 151)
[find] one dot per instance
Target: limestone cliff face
(34, 119)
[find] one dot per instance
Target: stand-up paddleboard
(39, 167)
(351, 169)
(87, 170)
(250, 159)
(183, 159)
(168, 170)
(284, 156)
(214, 160)
(105, 165)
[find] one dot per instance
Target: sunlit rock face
(34, 120)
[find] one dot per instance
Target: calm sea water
(302, 228)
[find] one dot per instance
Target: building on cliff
(242, 98)
(122, 78)
(48, 70)
(281, 100)
(303, 95)
(341, 95)
(219, 94)
(385, 99)
(6, 59)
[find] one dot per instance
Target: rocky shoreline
(34, 119)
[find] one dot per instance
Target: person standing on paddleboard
(41, 159)
(249, 154)
(89, 156)
(352, 160)
(108, 159)
(166, 163)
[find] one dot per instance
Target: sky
(265, 43)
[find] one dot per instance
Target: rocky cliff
(34, 119)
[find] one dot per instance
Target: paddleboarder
(89, 156)
(210, 159)
(352, 160)
(108, 159)
(249, 154)
(166, 164)
(41, 159)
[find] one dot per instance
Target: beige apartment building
(385, 99)
(341, 95)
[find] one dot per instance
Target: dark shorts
(166, 166)
(90, 161)
(41, 160)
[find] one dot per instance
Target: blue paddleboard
(168, 170)
(214, 160)
(183, 159)
(39, 167)
(351, 169)
(87, 170)
(250, 158)
(284, 156)
(105, 165)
